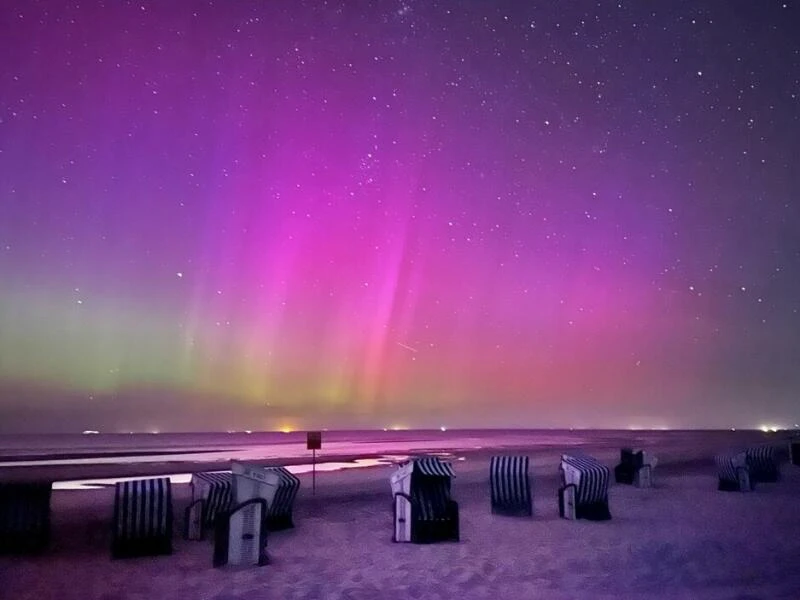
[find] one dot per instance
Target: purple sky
(258, 215)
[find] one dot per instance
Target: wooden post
(314, 471)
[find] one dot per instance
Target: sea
(115, 455)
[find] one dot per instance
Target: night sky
(262, 215)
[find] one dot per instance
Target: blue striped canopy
(215, 479)
(433, 466)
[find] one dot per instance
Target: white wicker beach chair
(24, 517)
(142, 518)
(424, 512)
(584, 491)
(510, 485)
(211, 496)
(733, 472)
(279, 514)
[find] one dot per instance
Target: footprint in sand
(463, 576)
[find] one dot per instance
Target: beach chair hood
(429, 466)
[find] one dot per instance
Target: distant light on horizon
(638, 427)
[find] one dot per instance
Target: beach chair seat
(635, 468)
(762, 463)
(733, 472)
(142, 524)
(431, 496)
(424, 511)
(584, 488)
(24, 517)
(240, 535)
(510, 485)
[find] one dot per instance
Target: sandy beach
(681, 539)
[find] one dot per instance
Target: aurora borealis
(255, 215)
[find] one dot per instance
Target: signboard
(314, 440)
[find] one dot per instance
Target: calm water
(114, 453)
(210, 447)
(286, 445)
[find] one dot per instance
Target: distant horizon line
(90, 432)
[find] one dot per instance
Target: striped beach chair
(24, 517)
(635, 468)
(424, 511)
(240, 537)
(211, 496)
(762, 462)
(584, 488)
(279, 513)
(142, 523)
(733, 472)
(510, 485)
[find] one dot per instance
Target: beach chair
(510, 485)
(424, 512)
(635, 468)
(277, 485)
(24, 517)
(211, 496)
(794, 452)
(584, 489)
(240, 537)
(279, 513)
(762, 463)
(142, 524)
(733, 472)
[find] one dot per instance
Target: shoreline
(667, 446)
